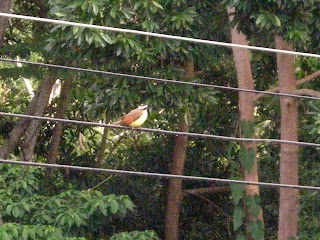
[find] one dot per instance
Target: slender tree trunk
(32, 131)
(4, 7)
(175, 186)
(289, 205)
(57, 130)
(102, 147)
(15, 136)
(175, 193)
(246, 108)
(17, 132)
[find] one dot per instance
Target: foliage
(29, 203)
(10, 231)
(39, 215)
(135, 235)
(131, 53)
(295, 20)
(246, 204)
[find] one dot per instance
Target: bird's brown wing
(131, 116)
(116, 123)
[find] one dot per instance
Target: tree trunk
(246, 109)
(175, 186)
(289, 205)
(17, 132)
(102, 147)
(33, 129)
(36, 107)
(178, 159)
(57, 130)
(4, 7)
(15, 136)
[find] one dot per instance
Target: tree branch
(308, 78)
(298, 82)
(32, 131)
(261, 95)
(212, 189)
(57, 130)
(308, 92)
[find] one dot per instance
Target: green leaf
(47, 218)
(255, 210)
(84, 5)
(247, 158)
(59, 14)
(128, 203)
(237, 192)
(92, 209)
(40, 232)
(261, 20)
(24, 184)
(247, 128)
(15, 211)
(113, 12)
(238, 217)
(63, 220)
(26, 206)
(77, 220)
(32, 233)
(241, 237)
(70, 222)
(75, 29)
(127, 14)
(253, 205)
(158, 5)
(114, 206)
(5, 236)
(106, 38)
(25, 233)
(95, 9)
(137, 5)
(9, 209)
(103, 209)
(256, 229)
(57, 202)
(277, 21)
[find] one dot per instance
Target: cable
(167, 132)
(159, 175)
(160, 79)
(195, 40)
(158, 35)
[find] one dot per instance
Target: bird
(135, 118)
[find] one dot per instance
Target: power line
(158, 175)
(160, 79)
(160, 131)
(158, 35)
(195, 40)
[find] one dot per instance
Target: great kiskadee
(135, 118)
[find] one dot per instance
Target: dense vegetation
(67, 204)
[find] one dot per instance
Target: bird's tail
(116, 123)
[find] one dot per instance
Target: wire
(167, 132)
(195, 40)
(159, 175)
(158, 35)
(160, 79)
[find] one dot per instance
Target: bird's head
(143, 107)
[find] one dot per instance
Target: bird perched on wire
(135, 118)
